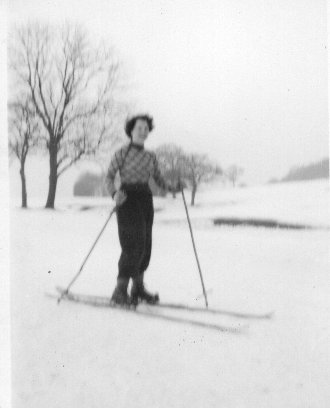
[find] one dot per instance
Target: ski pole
(98, 237)
(194, 246)
(85, 260)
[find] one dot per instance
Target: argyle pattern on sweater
(135, 165)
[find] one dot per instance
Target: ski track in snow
(73, 355)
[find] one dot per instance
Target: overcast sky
(245, 81)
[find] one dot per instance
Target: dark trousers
(135, 218)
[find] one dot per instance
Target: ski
(239, 315)
(99, 301)
(181, 306)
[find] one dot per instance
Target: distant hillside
(311, 171)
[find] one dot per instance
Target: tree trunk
(193, 194)
(23, 180)
(172, 185)
(52, 178)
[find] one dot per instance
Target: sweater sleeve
(157, 176)
(115, 164)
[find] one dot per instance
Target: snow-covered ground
(73, 355)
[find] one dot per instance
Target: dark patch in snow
(252, 222)
(86, 207)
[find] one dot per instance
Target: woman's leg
(131, 231)
(148, 211)
(138, 290)
(132, 237)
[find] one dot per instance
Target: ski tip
(270, 315)
(54, 296)
(60, 289)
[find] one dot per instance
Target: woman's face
(140, 131)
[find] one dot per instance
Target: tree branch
(43, 98)
(72, 161)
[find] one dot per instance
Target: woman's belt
(135, 187)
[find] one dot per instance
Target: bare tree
(197, 169)
(23, 130)
(118, 137)
(72, 86)
(233, 172)
(170, 158)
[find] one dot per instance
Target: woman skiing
(135, 210)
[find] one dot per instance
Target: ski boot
(119, 296)
(140, 294)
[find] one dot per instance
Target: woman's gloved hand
(119, 197)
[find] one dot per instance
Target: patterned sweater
(135, 165)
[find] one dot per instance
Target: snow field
(73, 355)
